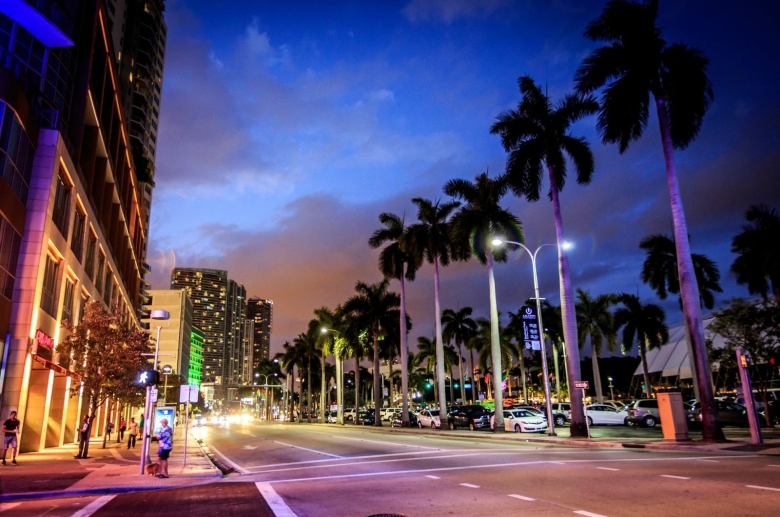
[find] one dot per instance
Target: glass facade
(9, 253)
(16, 153)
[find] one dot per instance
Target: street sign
(148, 378)
(188, 393)
(153, 395)
(581, 385)
(531, 335)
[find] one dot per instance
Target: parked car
(644, 412)
(615, 404)
(388, 412)
(521, 421)
(332, 417)
(471, 416)
(540, 412)
(349, 415)
(561, 413)
(396, 421)
(367, 417)
(429, 418)
(603, 414)
(729, 414)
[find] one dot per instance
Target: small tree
(105, 354)
(755, 328)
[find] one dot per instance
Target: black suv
(471, 416)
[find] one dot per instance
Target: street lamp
(565, 245)
(611, 393)
(339, 381)
(159, 315)
(167, 370)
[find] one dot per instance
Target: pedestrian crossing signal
(148, 378)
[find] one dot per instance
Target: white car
(534, 411)
(388, 412)
(429, 418)
(349, 414)
(603, 414)
(615, 404)
(521, 421)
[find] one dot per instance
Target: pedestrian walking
(109, 428)
(132, 433)
(165, 437)
(10, 431)
(83, 438)
(122, 429)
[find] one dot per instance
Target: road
(318, 470)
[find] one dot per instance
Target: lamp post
(159, 315)
(339, 381)
(611, 393)
(498, 242)
(167, 370)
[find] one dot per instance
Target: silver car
(429, 418)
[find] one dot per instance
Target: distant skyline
(286, 129)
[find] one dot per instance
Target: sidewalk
(57, 473)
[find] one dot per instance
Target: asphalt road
(318, 470)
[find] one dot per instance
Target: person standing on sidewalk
(10, 430)
(109, 428)
(122, 429)
(132, 433)
(165, 437)
(83, 438)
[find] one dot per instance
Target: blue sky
(288, 127)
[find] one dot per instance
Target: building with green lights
(196, 357)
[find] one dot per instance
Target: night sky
(288, 127)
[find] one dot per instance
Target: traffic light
(148, 378)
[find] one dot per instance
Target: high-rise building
(260, 311)
(208, 290)
(196, 357)
(176, 333)
(72, 215)
(235, 318)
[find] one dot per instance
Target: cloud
(448, 11)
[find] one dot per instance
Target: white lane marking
(606, 468)
(8, 506)
(227, 460)
(557, 462)
(272, 465)
(588, 514)
(522, 497)
(275, 501)
(469, 485)
(764, 488)
(250, 447)
(493, 465)
(118, 456)
(389, 443)
(710, 461)
(433, 477)
(773, 465)
(94, 506)
(673, 477)
(310, 450)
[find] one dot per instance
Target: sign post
(743, 365)
(530, 321)
(583, 385)
(187, 394)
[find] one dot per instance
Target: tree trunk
(357, 390)
(474, 387)
(557, 373)
(308, 390)
(323, 391)
(460, 373)
(522, 368)
(596, 372)
(643, 353)
(377, 383)
(568, 316)
(689, 289)
(107, 421)
(404, 359)
(390, 368)
(495, 348)
(439, 349)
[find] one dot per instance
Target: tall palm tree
(459, 327)
(507, 350)
(375, 309)
(515, 329)
(291, 357)
(553, 329)
(537, 133)
(660, 272)
(758, 247)
(595, 321)
(307, 342)
(477, 222)
(331, 324)
(352, 342)
(646, 322)
(426, 355)
(431, 240)
(272, 370)
(634, 64)
(397, 261)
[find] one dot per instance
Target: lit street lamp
(498, 242)
(159, 315)
(611, 393)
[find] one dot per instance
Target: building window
(108, 285)
(49, 291)
(82, 305)
(61, 206)
(99, 274)
(77, 239)
(67, 304)
(16, 152)
(89, 263)
(9, 253)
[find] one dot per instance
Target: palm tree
(307, 342)
(507, 350)
(635, 63)
(291, 358)
(515, 329)
(595, 321)
(551, 315)
(431, 239)
(426, 353)
(396, 261)
(646, 323)
(272, 370)
(374, 309)
(459, 327)
(660, 272)
(352, 342)
(478, 221)
(758, 247)
(535, 133)
(331, 324)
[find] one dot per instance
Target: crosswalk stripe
(94, 506)
(274, 500)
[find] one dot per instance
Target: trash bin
(673, 417)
